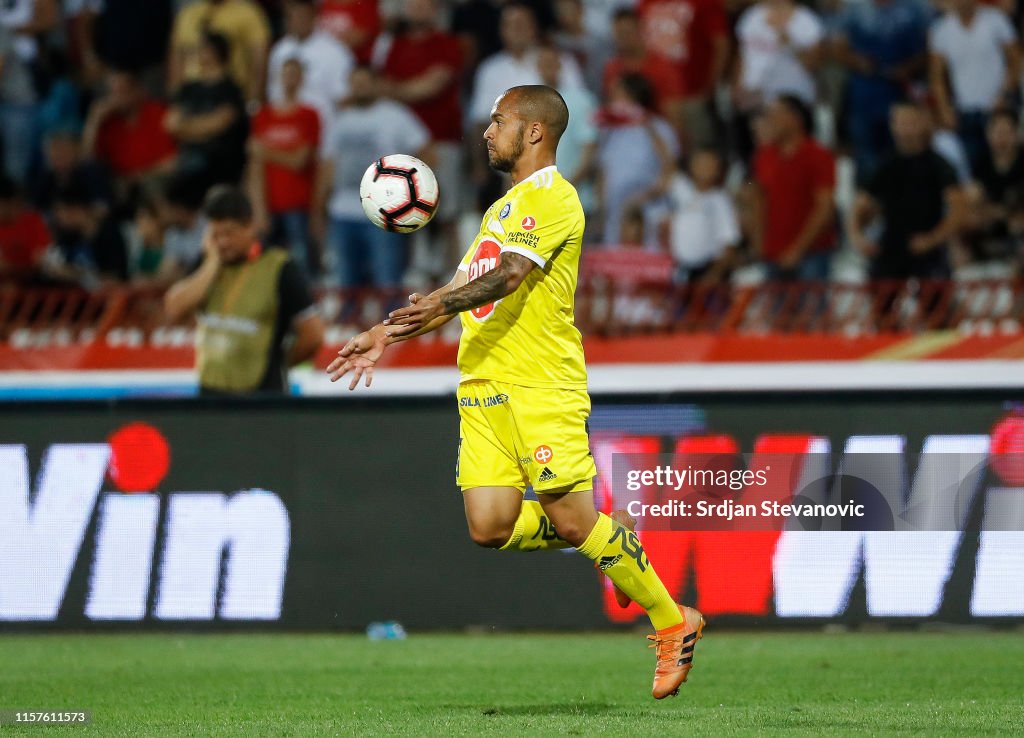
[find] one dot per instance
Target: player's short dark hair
(800, 109)
(226, 202)
(543, 104)
(219, 44)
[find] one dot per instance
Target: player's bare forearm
(391, 336)
(487, 288)
(395, 333)
(493, 285)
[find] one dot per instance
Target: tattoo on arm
(488, 287)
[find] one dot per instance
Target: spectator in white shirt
(973, 50)
(367, 128)
(780, 48)
(703, 230)
(327, 63)
(515, 64)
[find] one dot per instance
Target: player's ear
(535, 132)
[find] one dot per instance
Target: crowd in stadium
(797, 138)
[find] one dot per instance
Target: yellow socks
(533, 531)
(620, 556)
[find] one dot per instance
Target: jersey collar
(539, 172)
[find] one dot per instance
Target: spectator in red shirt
(24, 237)
(422, 67)
(355, 23)
(795, 178)
(125, 131)
(694, 36)
(633, 57)
(282, 166)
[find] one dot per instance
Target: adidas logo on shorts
(547, 475)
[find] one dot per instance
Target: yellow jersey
(528, 338)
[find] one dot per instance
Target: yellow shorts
(513, 436)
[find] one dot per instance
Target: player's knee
(571, 532)
(490, 535)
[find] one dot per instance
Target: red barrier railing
(602, 308)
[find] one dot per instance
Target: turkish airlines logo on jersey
(529, 223)
(486, 258)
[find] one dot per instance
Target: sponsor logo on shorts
(543, 454)
(546, 475)
(505, 211)
(499, 399)
(607, 562)
(529, 223)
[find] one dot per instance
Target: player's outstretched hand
(360, 366)
(359, 356)
(420, 312)
(403, 330)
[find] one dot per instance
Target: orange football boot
(675, 647)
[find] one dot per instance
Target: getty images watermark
(808, 491)
(725, 508)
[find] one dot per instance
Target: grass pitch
(770, 684)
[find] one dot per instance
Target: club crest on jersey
(505, 211)
(529, 223)
(486, 257)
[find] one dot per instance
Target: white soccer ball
(399, 193)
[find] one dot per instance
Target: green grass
(967, 683)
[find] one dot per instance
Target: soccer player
(523, 399)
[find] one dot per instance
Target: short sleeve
(536, 227)
(746, 25)
(295, 297)
(327, 138)
(409, 129)
(937, 38)
(344, 63)
(808, 29)
(480, 106)
(727, 227)
(1004, 32)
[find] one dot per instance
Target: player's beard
(507, 162)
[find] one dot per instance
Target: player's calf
(628, 522)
